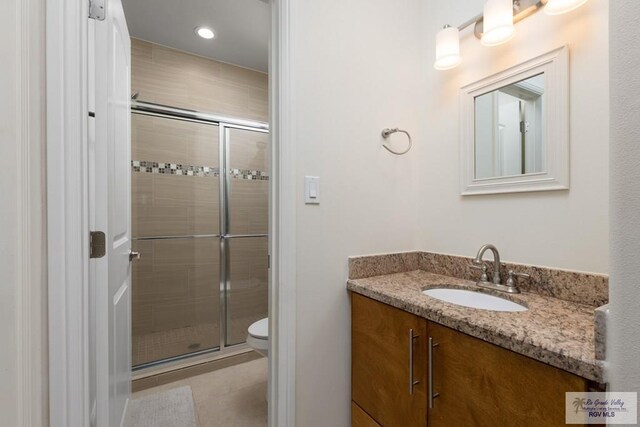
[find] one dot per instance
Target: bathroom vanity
(419, 361)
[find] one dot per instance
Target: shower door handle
(134, 255)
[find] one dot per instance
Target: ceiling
(241, 27)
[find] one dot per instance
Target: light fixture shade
(447, 49)
(558, 7)
(497, 22)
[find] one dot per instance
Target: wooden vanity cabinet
(476, 383)
(359, 418)
(388, 369)
(481, 384)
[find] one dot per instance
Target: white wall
(361, 66)
(8, 213)
(567, 229)
(23, 373)
(623, 343)
(358, 69)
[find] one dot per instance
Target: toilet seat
(258, 336)
(260, 329)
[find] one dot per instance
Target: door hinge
(97, 244)
(97, 9)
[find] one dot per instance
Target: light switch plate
(312, 190)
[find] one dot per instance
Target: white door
(110, 196)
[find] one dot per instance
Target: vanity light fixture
(447, 48)
(205, 33)
(495, 26)
(498, 22)
(558, 7)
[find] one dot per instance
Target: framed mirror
(515, 128)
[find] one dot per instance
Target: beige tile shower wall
(171, 77)
(248, 207)
(249, 150)
(178, 271)
(248, 199)
(247, 300)
(169, 205)
(176, 296)
(176, 284)
(158, 139)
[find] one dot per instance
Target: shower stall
(200, 197)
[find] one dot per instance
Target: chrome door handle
(134, 255)
(412, 382)
(432, 395)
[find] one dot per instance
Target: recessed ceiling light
(205, 33)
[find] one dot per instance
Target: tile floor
(229, 397)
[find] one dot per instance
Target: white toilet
(258, 336)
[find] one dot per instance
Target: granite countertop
(554, 331)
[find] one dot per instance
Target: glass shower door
(176, 229)
(246, 224)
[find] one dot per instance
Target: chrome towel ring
(387, 132)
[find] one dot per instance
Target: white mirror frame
(555, 66)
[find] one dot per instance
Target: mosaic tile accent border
(173, 168)
(249, 174)
(190, 170)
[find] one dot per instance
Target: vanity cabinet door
(359, 418)
(388, 363)
(481, 384)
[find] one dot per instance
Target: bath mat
(171, 408)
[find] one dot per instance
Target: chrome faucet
(510, 287)
(496, 261)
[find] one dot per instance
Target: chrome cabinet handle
(134, 255)
(412, 382)
(432, 395)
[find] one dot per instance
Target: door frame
(282, 218)
(68, 215)
(67, 212)
(23, 216)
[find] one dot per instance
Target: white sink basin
(473, 299)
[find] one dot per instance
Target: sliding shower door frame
(225, 124)
(152, 109)
(225, 225)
